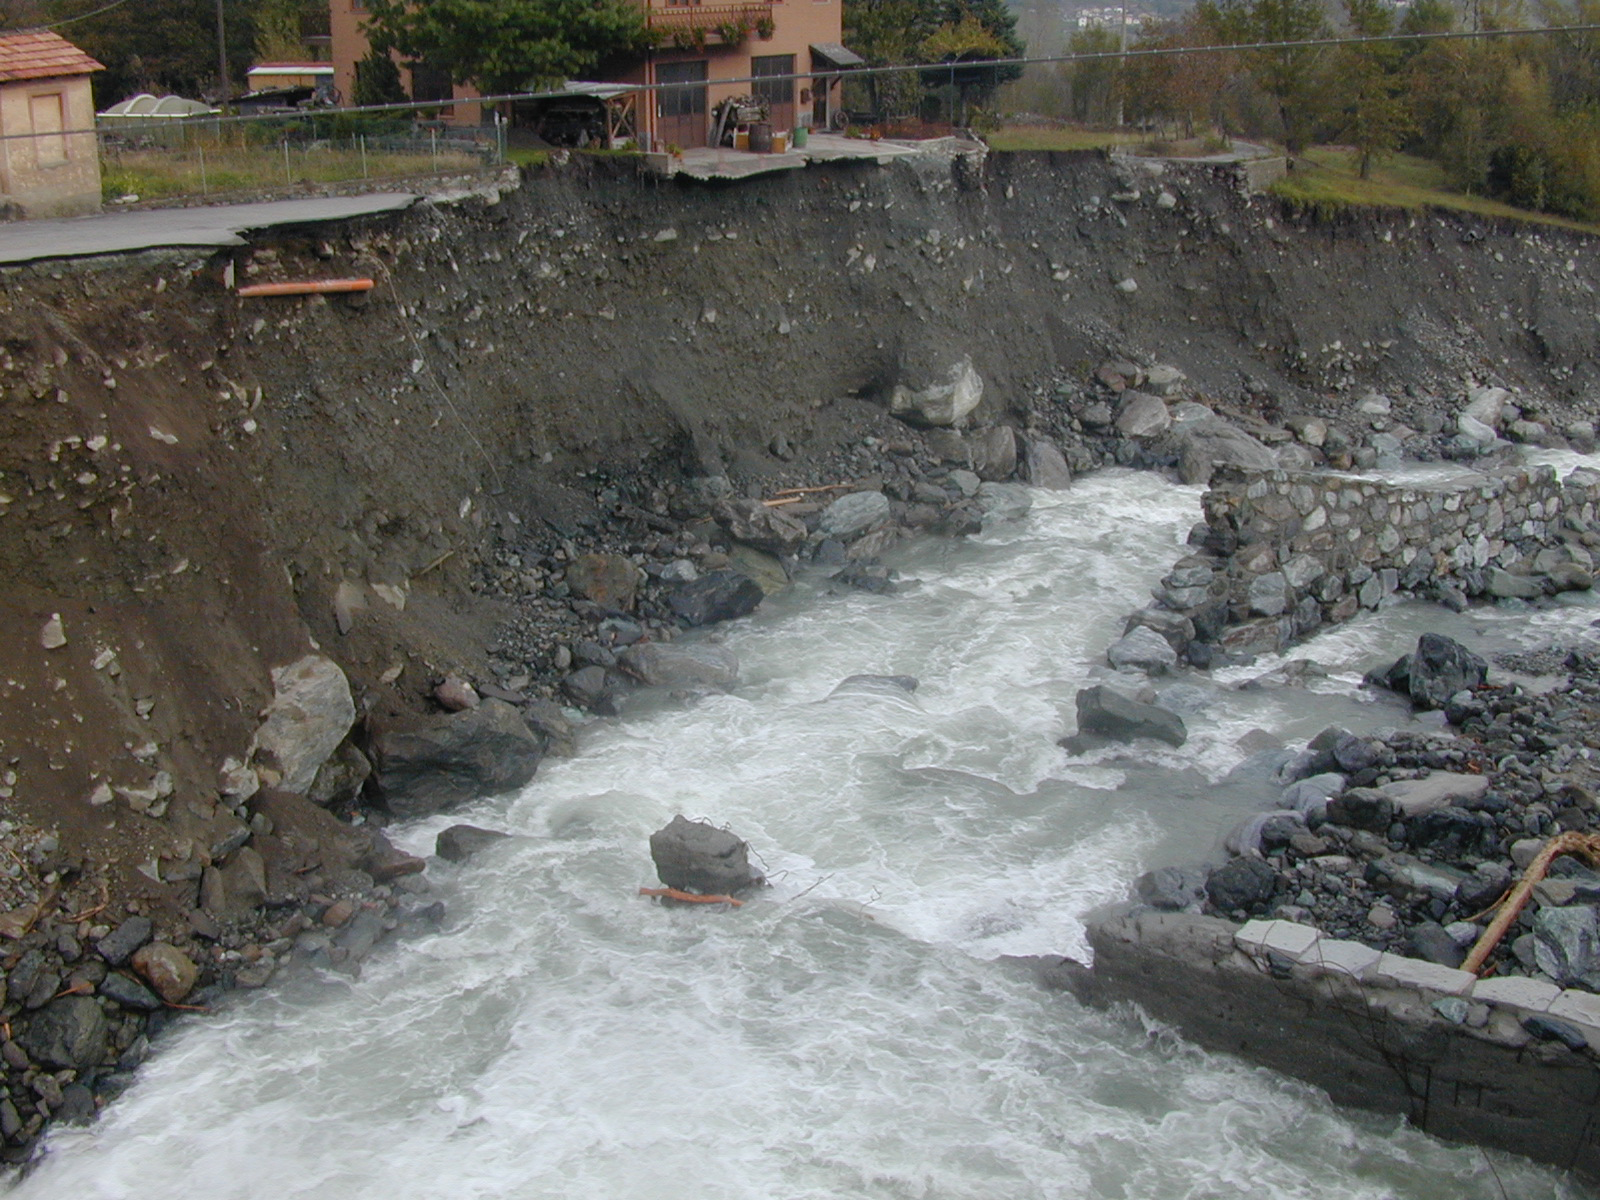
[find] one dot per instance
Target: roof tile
(40, 54)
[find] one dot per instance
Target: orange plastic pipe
(311, 287)
(675, 894)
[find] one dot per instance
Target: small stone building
(49, 159)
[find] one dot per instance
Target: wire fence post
(204, 189)
(287, 176)
(433, 147)
(363, 140)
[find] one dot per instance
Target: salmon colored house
(46, 168)
(701, 48)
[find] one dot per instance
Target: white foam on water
(848, 1032)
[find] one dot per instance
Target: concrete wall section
(1374, 1030)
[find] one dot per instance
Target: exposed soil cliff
(188, 478)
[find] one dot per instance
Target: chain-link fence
(215, 156)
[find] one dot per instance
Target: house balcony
(686, 26)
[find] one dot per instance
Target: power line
(95, 12)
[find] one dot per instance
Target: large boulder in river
(715, 596)
(431, 764)
(1440, 668)
(1109, 714)
(1143, 649)
(678, 664)
(460, 842)
(696, 856)
(310, 713)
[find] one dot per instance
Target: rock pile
(1406, 843)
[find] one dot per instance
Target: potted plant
(766, 27)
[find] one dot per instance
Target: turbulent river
(850, 1032)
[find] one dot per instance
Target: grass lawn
(1401, 181)
(156, 174)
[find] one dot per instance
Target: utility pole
(222, 58)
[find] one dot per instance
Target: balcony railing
(710, 24)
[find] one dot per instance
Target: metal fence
(209, 156)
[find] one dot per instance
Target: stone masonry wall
(1283, 553)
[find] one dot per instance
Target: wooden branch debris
(796, 495)
(1572, 842)
(689, 897)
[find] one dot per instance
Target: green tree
(160, 46)
(281, 28)
(507, 45)
(1292, 76)
(908, 32)
(1374, 111)
(378, 80)
(1095, 84)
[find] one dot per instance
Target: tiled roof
(40, 54)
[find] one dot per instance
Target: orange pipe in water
(689, 897)
(311, 287)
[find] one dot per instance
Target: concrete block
(1534, 995)
(1581, 1009)
(1398, 971)
(1260, 938)
(1343, 958)
(1292, 940)
(1252, 936)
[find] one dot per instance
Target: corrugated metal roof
(832, 54)
(40, 54)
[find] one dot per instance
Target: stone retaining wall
(1504, 1063)
(1283, 553)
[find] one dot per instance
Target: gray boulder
(716, 596)
(1241, 885)
(1211, 442)
(1440, 668)
(1567, 945)
(994, 453)
(680, 664)
(899, 686)
(1362, 808)
(945, 401)
(609, 580)
(1045, 466)
(1141, 415)
(117, 947)
(1311, 794)
(1487, 405)
(1171, 889)
(1142, 648)
(460, 842)
(1001, 502)
(310, 714)
(755, 524)
(429, 765)
(852, 515)
(696, 856)
(1110, 714)
(68, 1034)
